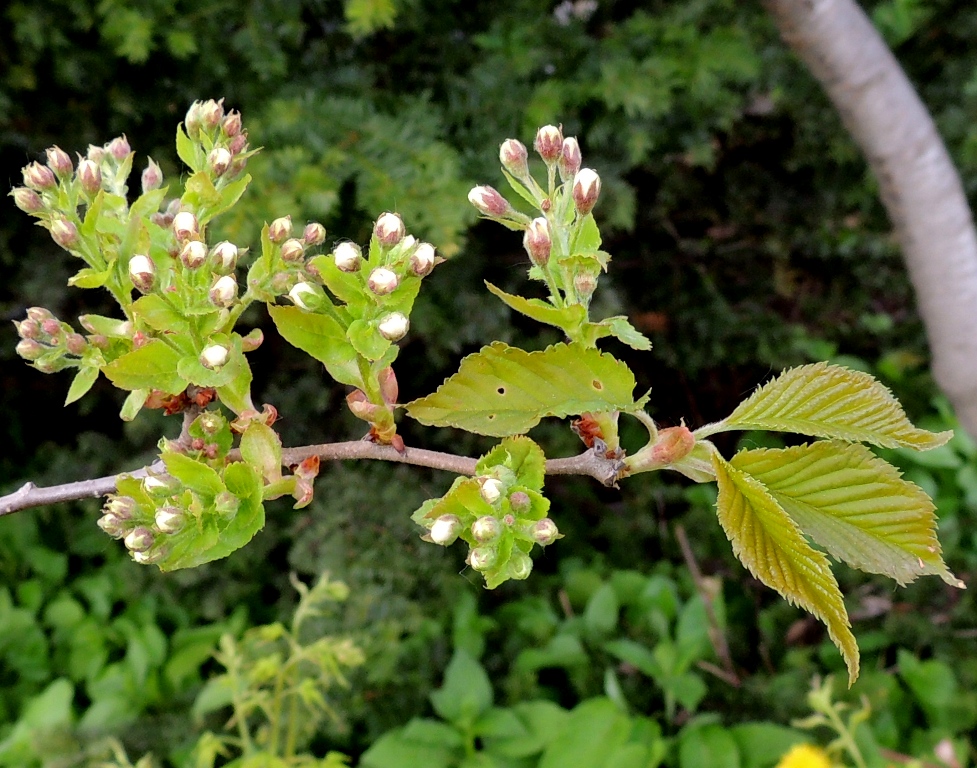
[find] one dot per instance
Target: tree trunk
(919, 185)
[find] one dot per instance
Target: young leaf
(321, 336)
(773, 549)
(503, 391)
(568, 318)
(82, 382)
(855, 505)
(153, 366)
(195, 475)
(520, 454)
(829, 401)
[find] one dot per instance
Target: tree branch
(592, 463)
(919, 185)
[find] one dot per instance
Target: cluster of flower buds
(47, 342)
(223, 134)
(143, 529)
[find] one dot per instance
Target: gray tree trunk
(920, 186)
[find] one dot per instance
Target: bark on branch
(920, 187)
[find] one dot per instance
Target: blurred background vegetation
(746, 237)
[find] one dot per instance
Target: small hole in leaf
(597, 385)
(491, 417)
(501, 390)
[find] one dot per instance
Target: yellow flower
(805, 756)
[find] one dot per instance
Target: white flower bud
(214, 356)
(382, 281)
(586, 190)
(184, 225)
(292, 250)
(549, 143)
(224, 291)
(492, 490)
(139, 539)
(219, 160)
(488, 201)
(142, 272)
(486, 529)
(545, 532)
(422, 259)
(348, 256)
(445, 530)
(389, 229)
(193, 254)
(570, 159)
(394, 327)
(304, 295)
(514, 158)
(280, 229)
(112, 525)
(482, 558)
(225, 255)
(169, 519)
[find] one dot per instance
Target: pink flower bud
(393, 327)
(192, 122)
(39, 314)
(225, 255)
(30, 350)
(95, 154)
(39, 177)
(292, 250)
(488, 201)
(76, 344)
(280, 229)
(482, 558)
(139, 539)
(545, 532)
(193, 254)
(169, 519)
(51, 328)
(570, 159)
(232, 124)
(389, 229)
(224, 291)
(422, 260)
(219, 159)
(152, 177)
(211, 113)
(537, 241)
(142, 272)
(445, 530)
(305, 296)
(314, 233)
(586, 189)
(59, 162)
(27, 329)
(486, 529)
(236, 146)
(185, 226)
(27, 199)
(491, 490)
(584, 285)
(64, 233)
(347, 256)
(520, 502)
(90, 177)
(520, 565)
(214, 356)
(119, 148)
(549, 143)
(514, 158)
(382, 281)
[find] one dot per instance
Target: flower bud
(488, 201)
(422, 260)
(226, 504)
(292, 250)
(139, 539)
(214, 356)
(305, 296)
(389, 229)
(147, 558)
(280, 229)
(27, 199)
(95, 154)
(142, 272)
(514, 158)
(49, 366)
(27, 329)
(52, 328)
(211, 113)
(112, 525)
(59, 162)
(545, 532)
(237, 145)
(570, 159)
(39, 177)
(586, 189)
(520, 565)
(76, 344)
(64, 233)
(169, 519)
(185, 225)
(348, 256)
(232, 124)
(394, 327)
(30, 350)
(123, 507)
(491, 490)
(39, 314)
(119, 148)
(486, 529)
(445, 530)
(193, 254)
(549, 143)
(314, 233)
(584, 285)
(224, 291)
(152, 177)
(219, 159)
(520, 502)
(482, 558)
(225, 255)
(90, 177)
(382, 281)
(537, 241)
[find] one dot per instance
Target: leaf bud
(488, 201)
(586, 189)
(27, 199)
(445, 530)
(224, 291)
(393, 327)
(549, 143)
(90, 177)
(491, 489)
(348, 256)
(139, 539)
(314, 233)
(514, 158)
(545, 532)
(486, 529)
(389, 388)
(360, 406)
(232, 124)
(76, 344)
(389, 229)
(305, 296)
(214, 356)
(30, 350)
(64, 233)
(193, 254)
(225, 255)
(520, 565)
(59, 161)
(520, 502)
(39, 177)
(152, 176)
(119, 148)
(280, 229)
(292, 250)
(169, 519)
(570, 159)
(382, 281)
(422, 260)
(482, 558)
(219, 159)
(537, 241)
(142, 272)
(185, 225)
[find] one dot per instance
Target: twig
(588, 463)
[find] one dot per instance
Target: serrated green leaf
(200, 192)
(567, 319)
(773, 549)
(520, 454)
(82, 382)
(503, 391)
(159, 314)
(236, 393)
(620, 327)
(194, 474)
(229, 196)
(366, 339)
(348, 287)
(153, 366)
(827, 400)
(323, 338)
(86, 277)
(855, 505)
(187, 150)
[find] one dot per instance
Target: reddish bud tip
(549, 143)
(64, 233)
(152, 177)
(280, 229)
(514, 158)
(27, 199)
(382, 281)
(389, 229)
(314, 233)
(59, 162)
(39, 177)
(292, 250)
(537, 241)
(488, 201)
(570, 159)
(586, 190)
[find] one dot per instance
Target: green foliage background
(746, 234)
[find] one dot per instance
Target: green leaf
(82, 382)
(262, 449)
(159, 314)
(348, 287)
(133, 404)
(229, 196)
(708, 745)
(86, 277)
(829, 401)
(466, 693)
(366, 339)
(194, 474)
(188, 150)
(773, 549)
(323, 338)
(762, 744)
(502, 390)
(620, 328)
(855, 505)
(568, 319)
(200, 192)
(236, 393)
(153, 366)
(594, 729)
(520, 454)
